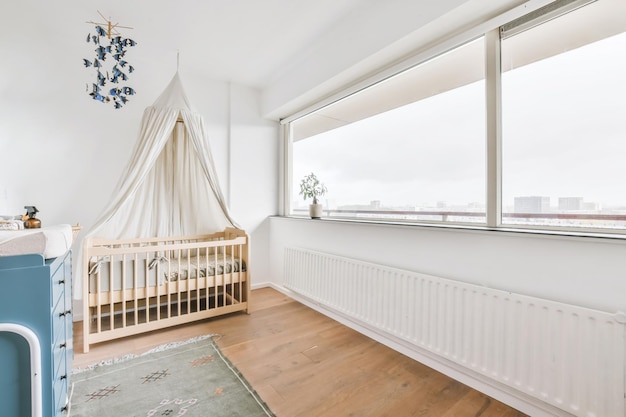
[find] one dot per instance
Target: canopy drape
(169, 186)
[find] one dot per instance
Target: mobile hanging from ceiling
(110, 65)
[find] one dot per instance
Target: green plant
(311, 187)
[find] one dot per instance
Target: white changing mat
(51, 241)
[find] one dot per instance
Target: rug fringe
(172, 345)
(244, 382)
(130, 356)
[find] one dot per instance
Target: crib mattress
(51, 241)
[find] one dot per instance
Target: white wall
(253, 175)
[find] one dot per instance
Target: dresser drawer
(69, 340)
(58, 294)
(60, 318)
(60, 396)
(59, 283)
(60, 375)
(59, 359)
(68, 284)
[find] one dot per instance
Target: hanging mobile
(109, 44)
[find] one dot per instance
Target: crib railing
(138, 285)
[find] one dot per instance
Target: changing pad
(51, 241)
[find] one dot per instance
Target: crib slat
(112, 276)
(169, 292)
(178, 281)
(134, 292)
(157, 267)
(207, 281)
(232, 272)
(99, 305)
(240, 283)
(124, 302)
(223, 286)
(123, 278)
(215, 291)
(187, 253)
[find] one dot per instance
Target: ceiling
(294, 51)
(249, 42)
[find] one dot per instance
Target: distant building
(591, 206)
(532, 204)
(570, 203)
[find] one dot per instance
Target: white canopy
(169, 187)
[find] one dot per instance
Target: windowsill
(520, 232)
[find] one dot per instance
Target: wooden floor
(304, 364)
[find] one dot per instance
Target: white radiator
(567, 356)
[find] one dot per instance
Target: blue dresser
(35, 294)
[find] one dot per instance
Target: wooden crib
(139, 285)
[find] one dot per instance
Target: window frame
(492, 32)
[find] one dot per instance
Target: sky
(564, 135)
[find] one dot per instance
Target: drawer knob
(65, 313)
(63, 345)
(61, 282)
(63, 377)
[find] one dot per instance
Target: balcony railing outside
(591, 220)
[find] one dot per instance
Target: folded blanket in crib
(188, 268)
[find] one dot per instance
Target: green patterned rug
(191, 378)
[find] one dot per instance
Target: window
(563, 120)
(412, 147)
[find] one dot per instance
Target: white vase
(315, 211)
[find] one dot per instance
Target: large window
(409, 148)
(413, 147)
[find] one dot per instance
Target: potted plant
(311, 187)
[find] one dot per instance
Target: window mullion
(286, 173)
(494, 127)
